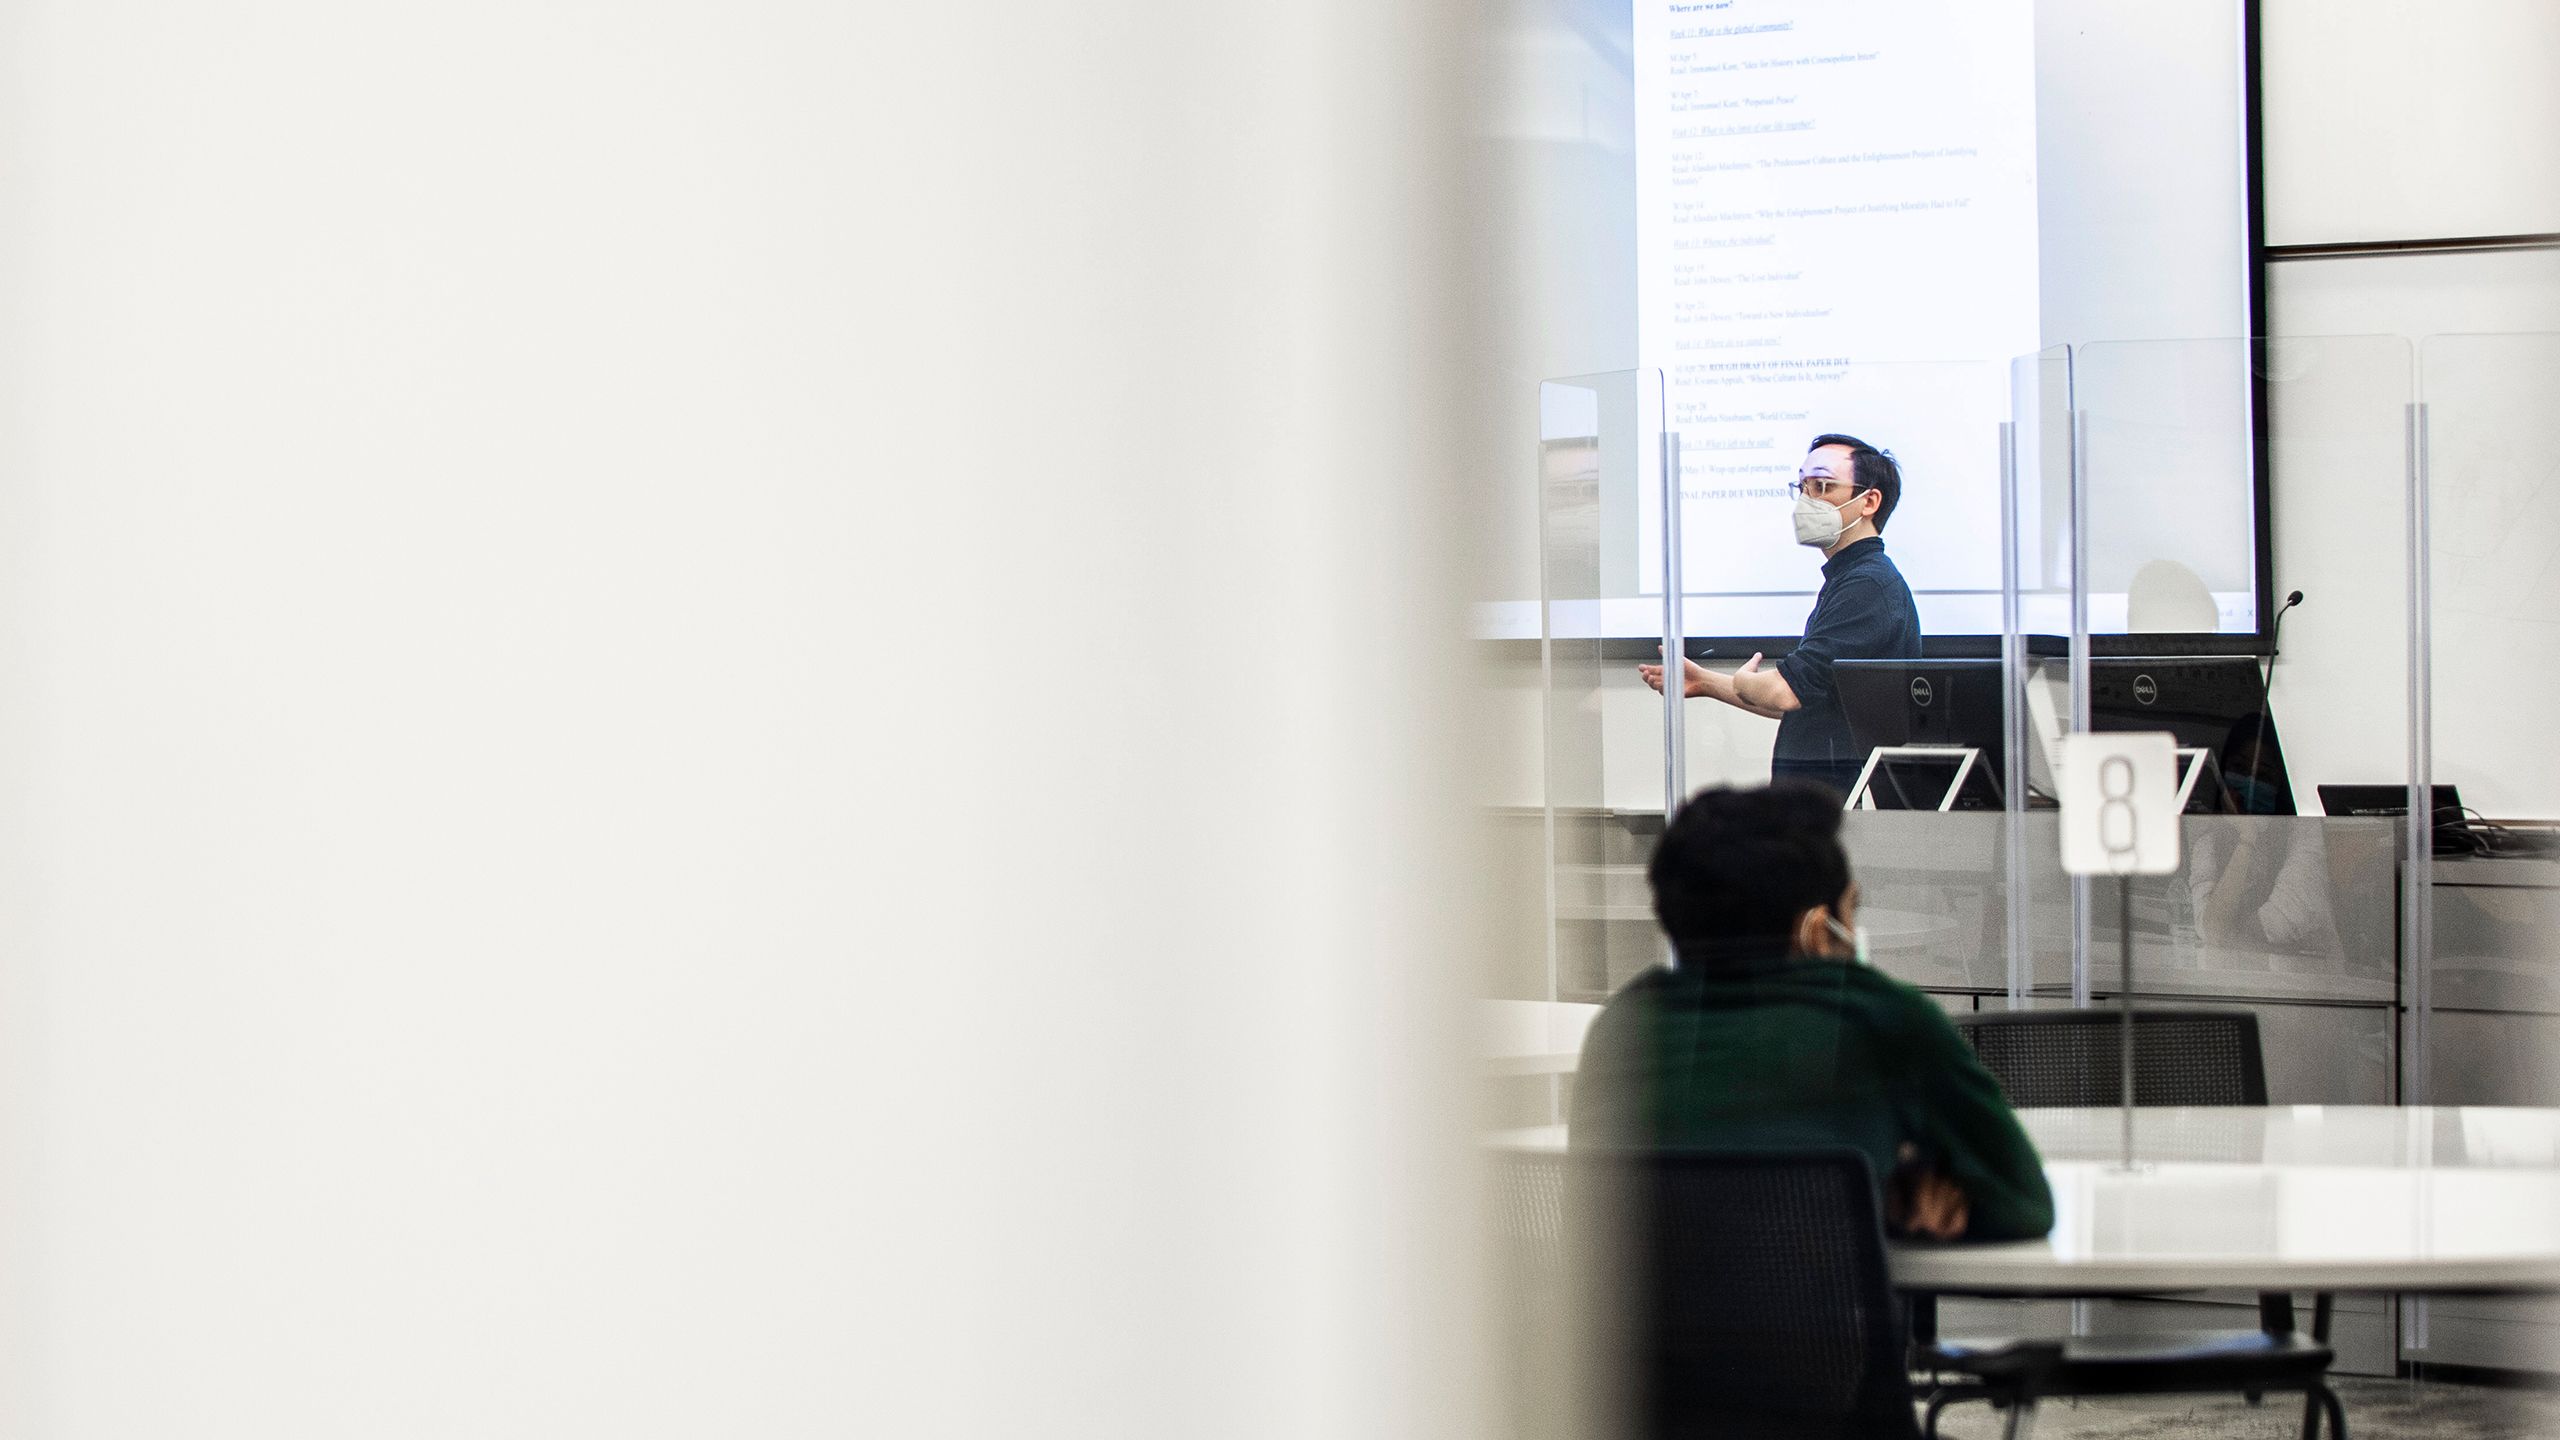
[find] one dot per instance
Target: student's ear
(1812, 937)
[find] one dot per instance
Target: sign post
(2120, 806)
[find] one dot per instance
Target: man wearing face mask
(1846, 490)
(1770, 1032)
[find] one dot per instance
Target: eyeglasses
(1813, 485)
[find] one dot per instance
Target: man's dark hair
(1870, 469)
(1736, 868)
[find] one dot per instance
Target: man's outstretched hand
(1692, 674)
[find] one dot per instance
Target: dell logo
(2145, 689)
(1920, 691)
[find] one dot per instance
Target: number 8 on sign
(2119, 804)
(2117, 824)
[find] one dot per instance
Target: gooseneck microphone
(2267, 684)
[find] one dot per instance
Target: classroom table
(2267, 1198)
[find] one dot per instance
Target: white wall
(604, 828)
(2410, 119)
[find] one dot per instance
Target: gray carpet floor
(2376, 1410)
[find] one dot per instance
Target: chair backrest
(1538, 1376)
(1749, 1292)
(1527, 1224)
(2074, 1057)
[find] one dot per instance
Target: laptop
(2455, 832)
(2446, 801)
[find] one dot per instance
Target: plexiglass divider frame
(2040, 479)
(2156, 534)
(1603, 565)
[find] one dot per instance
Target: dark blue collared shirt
(1863, 613)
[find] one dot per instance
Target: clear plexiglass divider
(1921, 757)
(2150, 594)
(1611, 749)
(1666, 516)
(1715, 560)
(2484, 1013)
(2482, 1023)
(2039, 463)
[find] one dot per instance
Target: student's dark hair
(1871, 468)
(1736, 868)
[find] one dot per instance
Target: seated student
(1772, 1033)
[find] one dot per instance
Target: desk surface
(2282, 1198)
(2388, 1137)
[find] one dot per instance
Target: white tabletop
(2379, 1136)
(2281, 1198)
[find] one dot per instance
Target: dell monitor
(1950, 705)
(2213, 703)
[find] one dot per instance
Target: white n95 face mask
(1856, 939)
(1817, 524)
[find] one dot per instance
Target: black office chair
(2075, 1057)
(1527, 1205)
(1746, 1296)
(2180, 1057)
(1531, 1315)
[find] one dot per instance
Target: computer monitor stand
(1963, 757)
(2196, 759)
(2193, 760)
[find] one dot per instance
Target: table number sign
(2119, 804)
